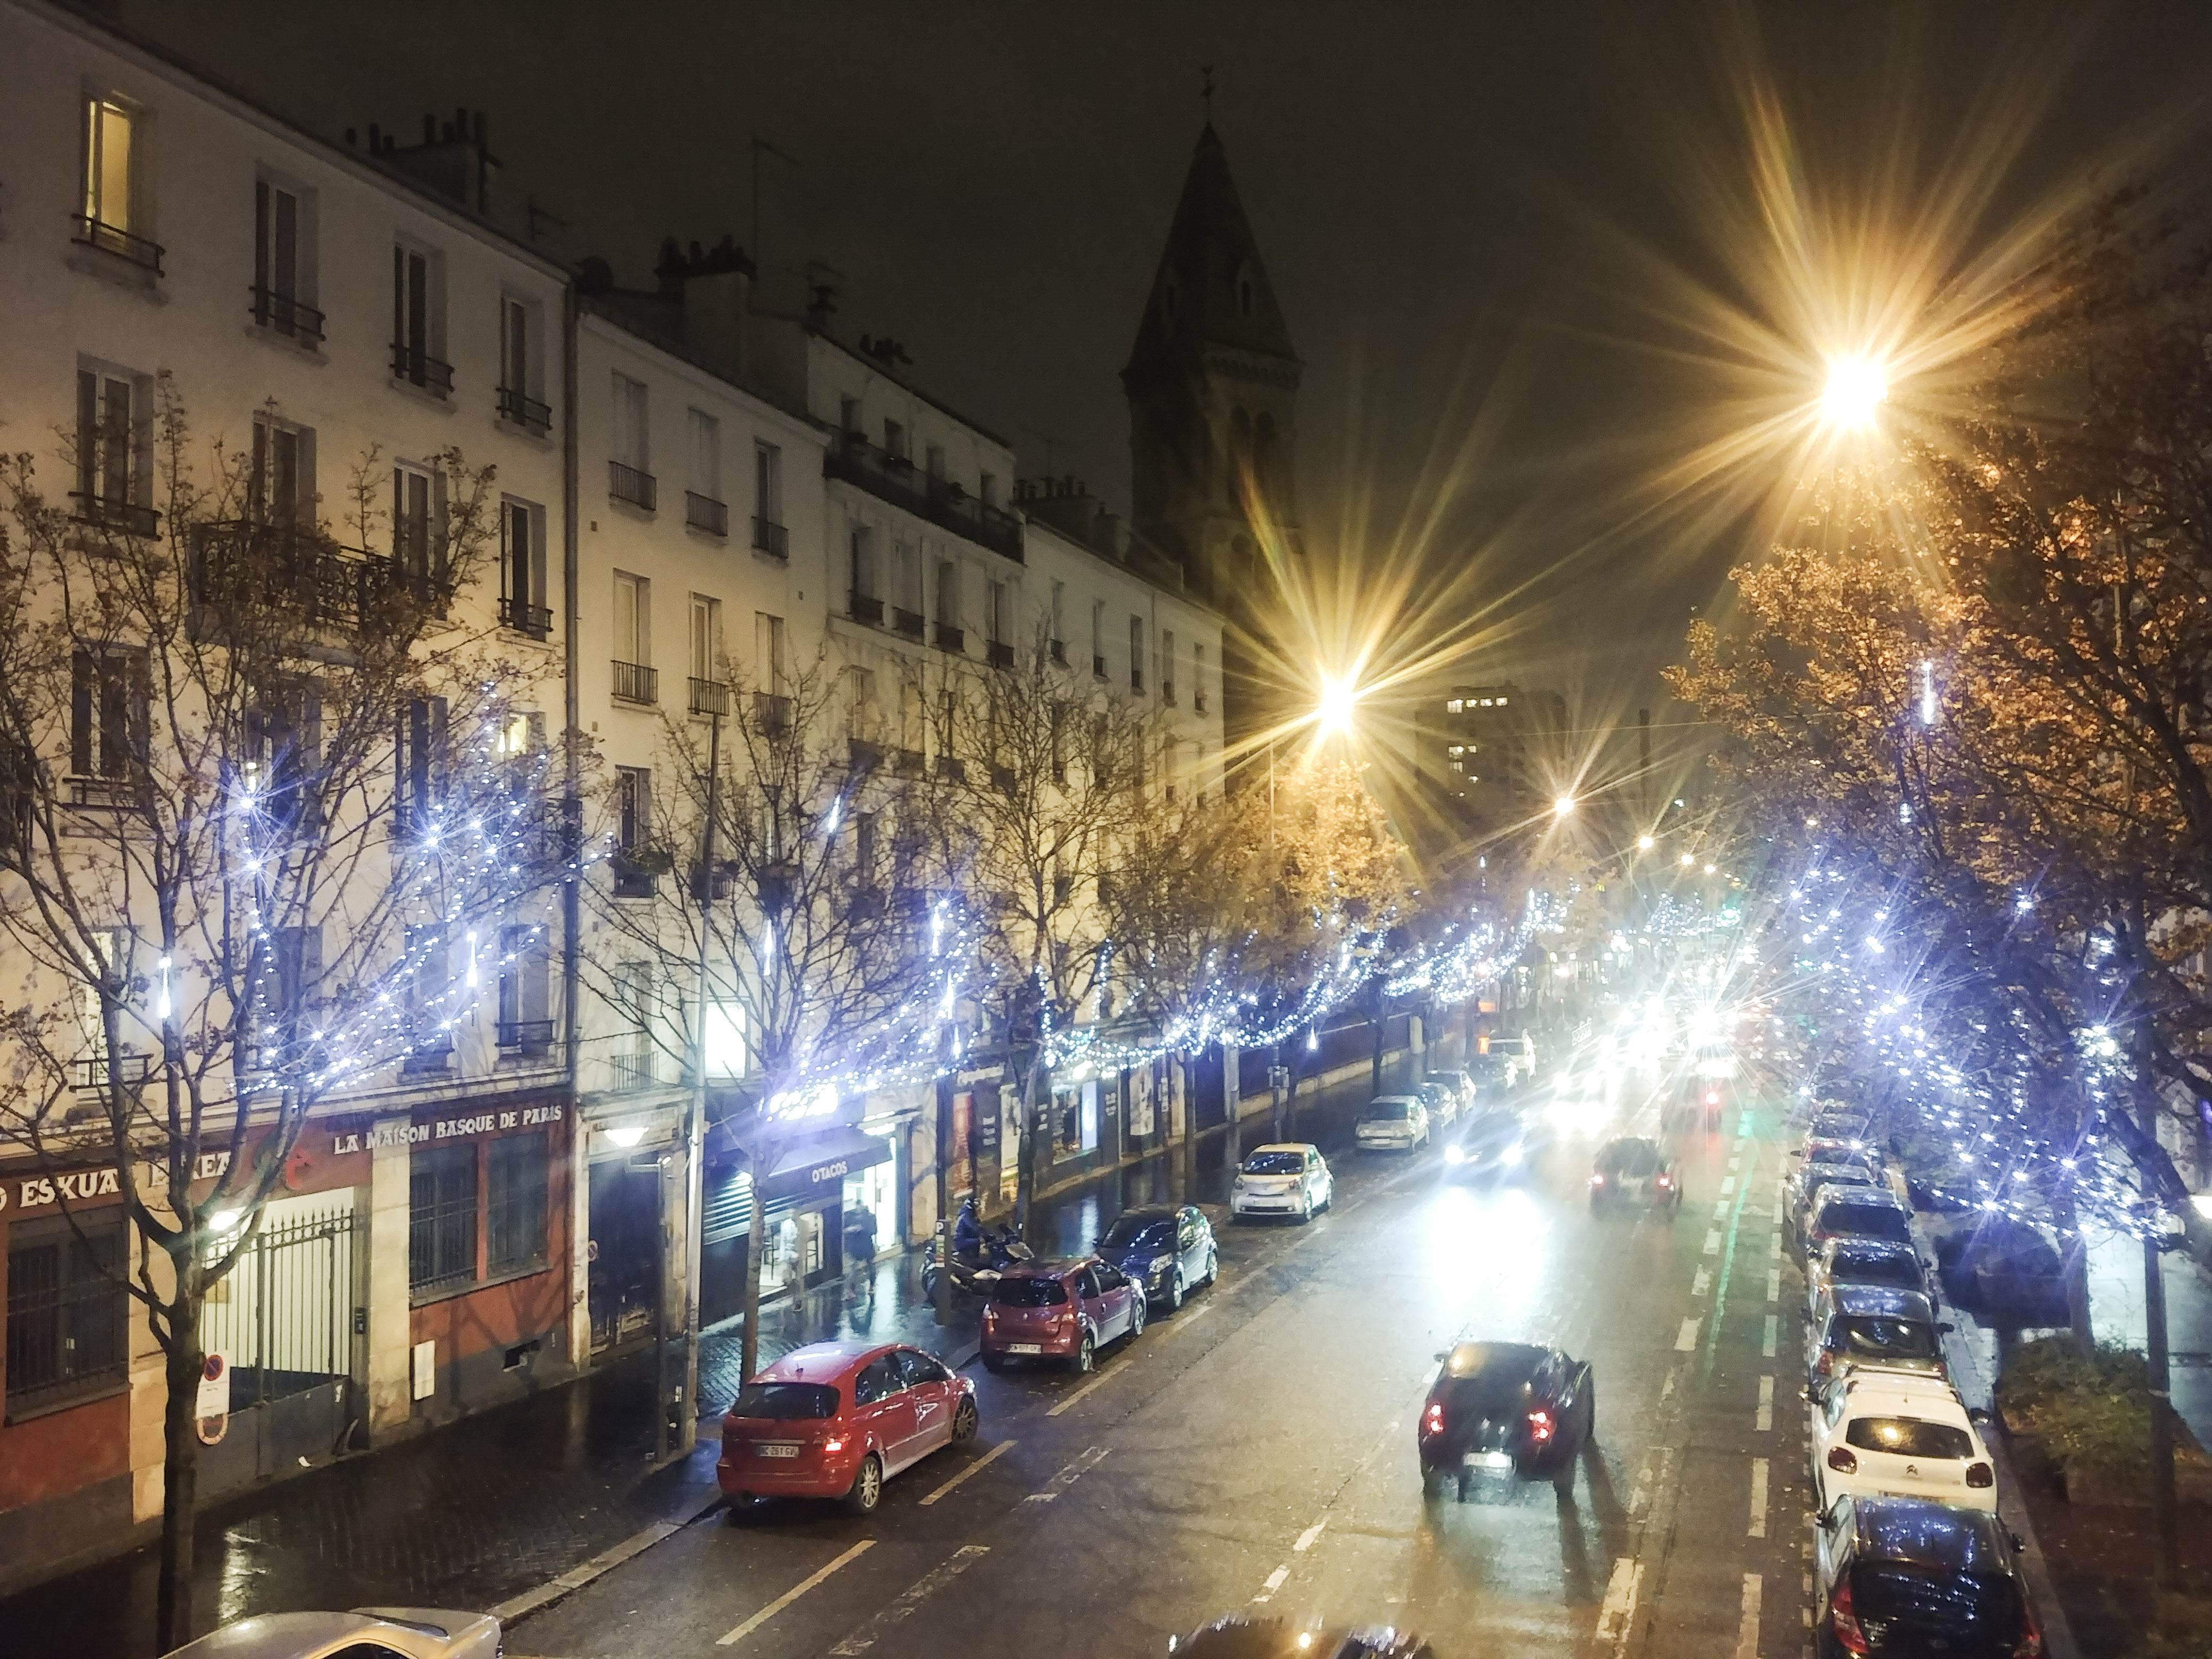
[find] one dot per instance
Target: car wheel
(867, 1486)
(1466, 1486)
(740, 1509)
(1174, 1298)
(1138, 1310)
(1213, 1266)
(1306, 1214)
(964, 1422)
(1085, 1355)
(1432, 1483)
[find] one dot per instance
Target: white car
(401, 1632)
(1392, 1123)
(1906, 1436)
(1288, 1178)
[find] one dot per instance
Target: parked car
(1499, 1066)
(1855, 1129)
(1630, 1169)
(1494, 1144)
(2004, 1268)
(1441, 1098)
(1066, 1310)
(1875, 1433)
(1392, 1123)
(1289, 1178)
(1508, 1406)
(1864, 1261)
(1462, 1086)
(1826, 1149)
(401, 1632)
(1854, 1327)
(1165, 1247)
(1835, 1211)
(1901, 1574)
(1810, 1178)
(837, 1420)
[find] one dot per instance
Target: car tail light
(1712, 1096)
(1432, 1420)
(1539, 1426)
(2031, 1633)
(1981, 1474)
(835, 1443)
(1844, 1619)
(1597, 1180)
(1842, 1460)
(1666, 1181)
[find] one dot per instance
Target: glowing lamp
(626, 1137)
(1334, 714)
(1645, 843)
(1856, 388)
(1563, 805)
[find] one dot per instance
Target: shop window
(66, 1310)
(1068, 1120)
(515, 1169)
(441, 1222)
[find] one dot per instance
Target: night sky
(1469, 212)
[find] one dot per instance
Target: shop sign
(833, 1171)
(426, 1132)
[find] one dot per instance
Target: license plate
(776, 1449)
(1024, 1347)
(1488, 1459)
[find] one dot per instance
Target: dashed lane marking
(1685, 1340)
(791, 1595)
(1774, 1246)
(1758, 1528)
(1721, 1210)
(1701, 1283)
(975, 1467)
(1773, 1335)
(1619, 1607)
(1728, 1188)
(919, 1591)
(1746, 1630)
(1765, 1404)
(1712, 1242)
(1274, 1582)
(1067, 1477)
(1774, 1284)
(1309, 1537)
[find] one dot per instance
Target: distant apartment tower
(1495, 749)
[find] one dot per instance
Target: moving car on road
(1900, 1575)
(1836, 1212)
(1857, 1327)
(1864, 1261)
(394, 1632)
(1630, 1170)
(1494, 1144)
(1165, 1247)
(1901, 1437)
(1065, 1311)
(1240, 1636)
(1288, 1178)
(837, 1420)
(1398, 1123)
(1508, 1406)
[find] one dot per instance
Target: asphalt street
(1254, 1451)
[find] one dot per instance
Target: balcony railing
(864, 756)
(865, 607)
(1098, 668)
(1058, 650)
(709, 698)
(95, 1071)
(771, 712)
(627, 483)
(109, 514)
(525, 410)
(948, 638)
(110, 239)
(999, 654)
(417, 366)
(635, 1071)
(951, 769)
(905, 622)
(523, 617)
(635, 683)
(238, 561)
(280, 313)
(909, 762)
(531, 1036)
(892, 479)
(113, 793)
(432, 1051)
(705, 513)
(771, 538)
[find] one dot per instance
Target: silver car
(408, 1633)
(1286, 1178)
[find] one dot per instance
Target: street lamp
(1688, 858)
(1334, 714)
(1856, 388)
(1645, 843)
(1562, 806)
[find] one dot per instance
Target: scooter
(974, 1272)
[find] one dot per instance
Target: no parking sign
(213, 1409)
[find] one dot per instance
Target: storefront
(876, 1204)
(804, 1220)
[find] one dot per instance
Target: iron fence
(283, 1312)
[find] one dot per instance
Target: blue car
(1166, 1248)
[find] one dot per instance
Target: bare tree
(245, 773)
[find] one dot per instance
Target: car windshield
(1875, 1267)
(1379, 1111)
(1867, 1336)
(1838, 1175)
(1275, 1163)
(1028, 1294)
(784, 1402)
(1141, 1231)
(1867, 1221)
(1938, 1600)
(1629, 1158)
(1909, 1437)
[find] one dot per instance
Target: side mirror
(1805, 1394)
(1441, 1358)
(1978, 1418)
(1946, 1327)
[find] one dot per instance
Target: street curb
(516, 1608)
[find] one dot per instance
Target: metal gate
(287, 1315)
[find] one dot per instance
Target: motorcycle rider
(968, 1230)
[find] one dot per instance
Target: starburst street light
(1856, 388)
(1563, 805)
(1334, 714)
(1645, 843)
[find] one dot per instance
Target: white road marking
(1189, 1316)
(1309, 1537)
(1774, 1284)
(1667, 1389)
(915, 1595)
(1274, 1582)
(1747, 1632)
(1619, 1607)
(1713, 1241)
(1067, 1477)
(997, 1451)
(1685, 1340)
(792, 1595)
(1774, 1246)
(1721, 1210)
(1701, 1283)
(1758, 1528)
(1765, 1404)
(1728, 1188)
(1773, 1335)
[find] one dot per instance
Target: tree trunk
(1290, 1098)
(1033, 1153)
(1232, 1084)
(941, 1248)
(1187, 1161)
(1276, 1102)
(2074, 1266)
(755, 1237)
(180, 1471)
(1381, 1031)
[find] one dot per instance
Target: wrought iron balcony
(627, 483)
(771, 713)
(864, 757)
(418, 367)
(280, 313)
(636, 683)
(95, 1071)
(905, 622)
(771, 538)
(523, 617)
(432, 1051)
(709, 698)
(948, 638)
(635, 1071)
(909, 762)
(999, 654)
(531, 1036)
(525, 410)
(112, 239)
(865, 607)
(239, 562)
(892, 479)
(705, 513)
(109, 514)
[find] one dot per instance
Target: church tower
(1212, 386)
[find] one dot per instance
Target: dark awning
(820, 1163)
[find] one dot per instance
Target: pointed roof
(1212, 288)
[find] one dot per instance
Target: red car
(836, 1419)
(1065, 1311)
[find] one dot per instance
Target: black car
(1630, 1169)
(1490, 1143)
(1165, 1247)
(1240, 1636)
(1902, 1575)
(1505, 1406)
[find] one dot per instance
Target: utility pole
(684, 1431)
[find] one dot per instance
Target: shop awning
(820, 1163)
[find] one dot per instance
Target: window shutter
(80, 705)
(88, 433)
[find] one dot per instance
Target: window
(864, 865)
(1167, 666)
(894, 439)
(633, 808)
(280, 487)
(283, 272)
(948, 593)
(523, 597)
(997, 613)
(639, 1001)
(767, 482)
(417, 547)
(705, 651)
(420, 791)
(115, 438)
(282, 748)
(417, 326)
(769, 647)
(988, 489)
(860, 710)
(525, 1020)
(1136, 654)
(430, 983)
(1198, 678)
(908, 559)
(441, 1217)
(515, 1170)
(113, 214)
(66, 1309)
(1059, 621)
(289, 978)
(879, 1380)
(1098, 638)
(108, 695)
(848, 417)
(867, 605)
(521, 374)
(631, 465)
(933, 460)
(634, 678)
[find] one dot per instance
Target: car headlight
(1160, 1264)
(1453, 1155)
(1511, 1155)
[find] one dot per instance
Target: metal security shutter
(727, 1211)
